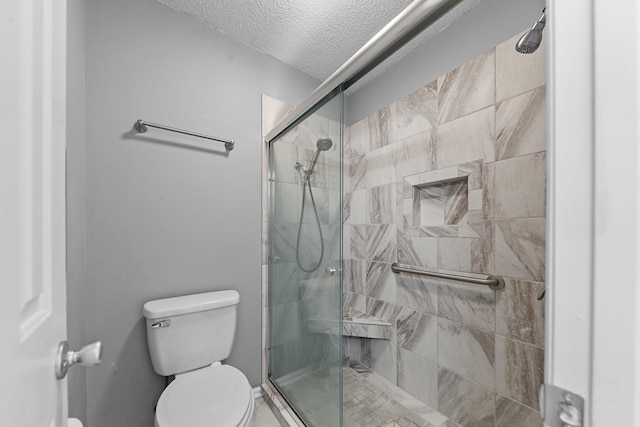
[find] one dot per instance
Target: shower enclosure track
(415, 18)
(493, 282)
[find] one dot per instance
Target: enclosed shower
(406, 251)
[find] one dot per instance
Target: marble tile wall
(474, 354)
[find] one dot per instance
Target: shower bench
(354, 324)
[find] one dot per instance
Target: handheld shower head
(530, 41)
(323, 144)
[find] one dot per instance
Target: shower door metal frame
(270, 209)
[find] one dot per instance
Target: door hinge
(560, 408)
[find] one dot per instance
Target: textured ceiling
(316, 37)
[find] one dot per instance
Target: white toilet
(188, 336)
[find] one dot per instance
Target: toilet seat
(214, 396)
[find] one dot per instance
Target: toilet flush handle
(89, 355)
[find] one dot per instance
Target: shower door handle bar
(494, 282)
(142, 126)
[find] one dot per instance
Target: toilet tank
(192, 331)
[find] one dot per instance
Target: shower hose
(307, 183)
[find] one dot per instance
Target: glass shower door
(305, 260)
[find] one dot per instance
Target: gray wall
(165, 215)
(489, 24)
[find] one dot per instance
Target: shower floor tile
(370, 400)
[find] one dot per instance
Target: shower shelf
(354, 324)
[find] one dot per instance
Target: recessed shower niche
(441, 203)
(444, 202)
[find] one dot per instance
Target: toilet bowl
(217, 396)
(188, 336)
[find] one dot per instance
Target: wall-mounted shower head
(530, 41)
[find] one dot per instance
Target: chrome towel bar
(142, 126)
(493, 282)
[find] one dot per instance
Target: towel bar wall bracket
(493, 282)
(142, 126)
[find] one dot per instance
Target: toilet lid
(217, 396)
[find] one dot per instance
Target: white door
(593, 236)
(32, 211)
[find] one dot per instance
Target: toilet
(188, 336)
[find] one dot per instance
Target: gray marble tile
(520, 187)
(354, 275)
(265, 365)
(382, 310)
(335, 207)
(358, 207)
(284, 241)
(454, 254)
(488, 247)
(468, 351)
(510, 414)
(416, 154)
(467, 139)
(346, 207)
(417, 292)
(520, 248)
(417, 251)
(283, 158)
(519, 370)
(287, 202)
(474, 221)
(381, 127)
(479, 402)
(468, 88)
(355, 301)
(434, 176)
(264, 415)
(381, 242)
(321, 198)
(472, 305)
(418, 376)
(346, 174)
(310, 250)
(429, 205)
(382, 357)
(366, 330)
(346, 241)
(417, 332)
(357, 172)
(265, 241)
(488, 191)
(285, 319)
(265, 328)
(415, 233)
(417, 111)
(265, 285)
(456, 202)
(520, 125)
(273, 110)
(358, 241)
(519, 314)
(517, 73)
(473, 172)
(285, 278)
(381, 203)
(381, 166)
(381, 281)
(358, 145)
